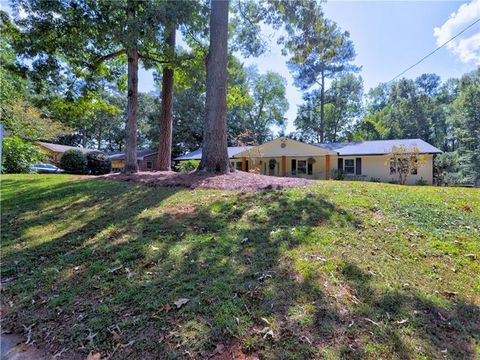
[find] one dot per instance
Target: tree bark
(322, 109)
(166, 121)
(131, 165)
(214, 149)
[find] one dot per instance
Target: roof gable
(285, 147)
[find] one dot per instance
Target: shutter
(340, 164)
(294, 167)
(358, 166)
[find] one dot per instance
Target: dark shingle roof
(140, 154)
(197, 154)
(377, 147)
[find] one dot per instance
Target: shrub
(374, 179)
(336, 174)
(18, 155)
(421, 182)
(74, 162)
(187, 166)
(98, 163)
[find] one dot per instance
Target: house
(55, 151)
(364, 160)
(147, 160)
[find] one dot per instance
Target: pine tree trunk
(165, 147)
(322, 109)
(131, 165)
(214, 149)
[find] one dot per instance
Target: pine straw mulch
(236, 180)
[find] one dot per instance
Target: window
(294, 167)
(414, 170)
(310, 168)
(302, 167)
(349, 166)
(238, 165)
(149, 165)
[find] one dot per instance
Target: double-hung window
(349, 166)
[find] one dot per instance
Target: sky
(389, 36)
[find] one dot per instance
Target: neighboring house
(55, 151)
(365, 160)
(147, 160)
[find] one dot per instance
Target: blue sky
(388, 37)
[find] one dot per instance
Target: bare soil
(236, 180)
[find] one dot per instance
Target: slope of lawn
(338, 270)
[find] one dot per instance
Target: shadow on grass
(109, 282)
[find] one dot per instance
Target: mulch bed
(236, 180)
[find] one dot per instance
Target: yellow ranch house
(365, 160)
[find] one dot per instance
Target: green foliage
(18, 155)
(337, 174)
(98, 163)
(467, 120)
(342, 106)
(421, 182)
(187, 166)
(74, 162)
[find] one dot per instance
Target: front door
(272, 165)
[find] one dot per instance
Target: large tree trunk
(131, 165)
(165, 147)
(322, 109)
(214, 149)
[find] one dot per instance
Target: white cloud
(467, 45)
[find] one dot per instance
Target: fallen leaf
(402, 321)
(180, 302)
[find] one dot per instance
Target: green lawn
(339, 270)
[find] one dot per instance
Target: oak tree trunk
(165, 147)
(214, 149)
(131, 165)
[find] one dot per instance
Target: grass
(339, 270)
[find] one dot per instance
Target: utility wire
(434, 51)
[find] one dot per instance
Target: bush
(74, 162)
(98, 163)
(187, 166)
(18, 155)
(421, 182)
(336, 174)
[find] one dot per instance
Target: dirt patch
(236, 180)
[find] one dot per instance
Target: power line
(434, 51)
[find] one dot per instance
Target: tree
(18, 155)
(323, 54)
(214, 149)
(165, 148)
(466, 118)
(343, 104)
(268, 105)
(106, 33)
(404, 161)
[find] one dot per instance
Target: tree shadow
(110, 284)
